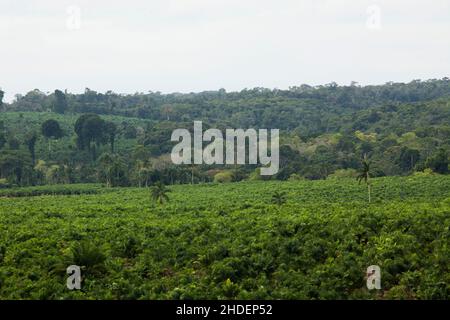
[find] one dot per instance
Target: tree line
(325, 133)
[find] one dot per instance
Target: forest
(124, 139)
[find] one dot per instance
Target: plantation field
(68, 189)
(229, 241)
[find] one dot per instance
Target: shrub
(343, 173)
(223, 177)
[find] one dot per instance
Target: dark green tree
(13, 143)
(90, 130)
(2, 94)
(30, 141)
(111, 131)
(438, 162)
(51, 130)
(408, 158)
(2, 134)
(15, 166)
(112, 170)
(2, 140)
(60, 104)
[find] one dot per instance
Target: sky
(197, 45)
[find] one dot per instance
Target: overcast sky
(196, 45)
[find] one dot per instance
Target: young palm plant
(89, 255)
(85, 254)
(279, 198)
(159, 193)
(364, 173)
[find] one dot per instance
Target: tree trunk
(93, 152)
(368, 184)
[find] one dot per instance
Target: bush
(223, 177)
(296, 177)
(4, 184)
(343, 173)
(424, 173)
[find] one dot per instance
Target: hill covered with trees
(122, 140)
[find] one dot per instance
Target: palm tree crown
(279, 198)
(159, 193)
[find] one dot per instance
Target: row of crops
(229, 241)
(74, 189)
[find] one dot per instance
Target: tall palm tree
(111, 169)
(105, 162)
(159, 193)
(364, 173)
(139, 169)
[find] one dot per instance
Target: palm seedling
(159, 193)
(279, 198)
(87, 255)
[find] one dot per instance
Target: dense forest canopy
(325, 130)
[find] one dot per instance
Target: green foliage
(4, 183)
(13, 143)
(60, 104)
(216, 241)
(88, 256)
(51, 129)
(2, 140)
(92, 131)
(364, 174)
(15, 166)
(224, 176)
(402, 127)
(343, 173)
(439, 162)
(159, 193)
(296, 177)
(112, 170)
(30, 141)
(426, 172)
(73, 189)
(279, 198)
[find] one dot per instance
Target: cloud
(194, 45)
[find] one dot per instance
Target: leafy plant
(279, 198)
(317, 247)
(159, 193)
(89, 256)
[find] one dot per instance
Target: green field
(229, 241)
